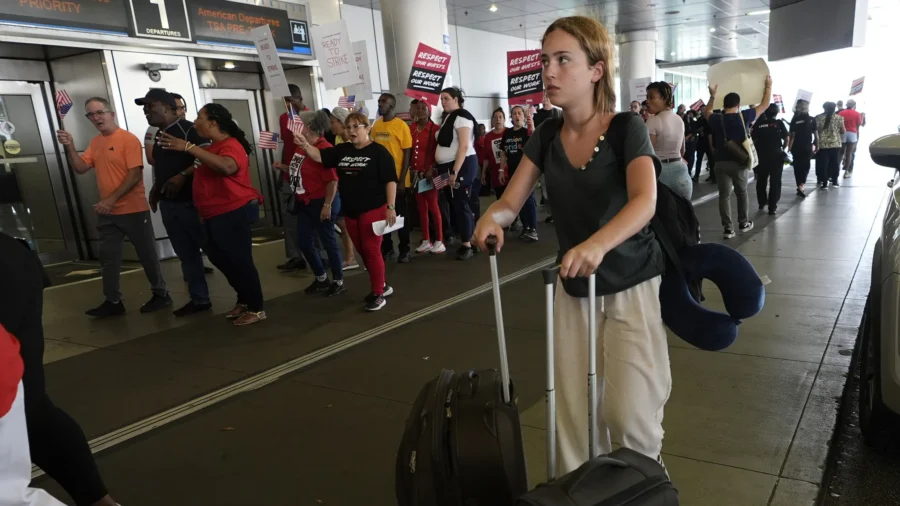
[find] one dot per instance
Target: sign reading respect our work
(525, 71)
(334, 51)
(427, 76)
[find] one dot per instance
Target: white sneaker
(425, 247)
(438, 247)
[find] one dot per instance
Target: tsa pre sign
(271, 63)
(335, 54)
(427, 75)
(525, 71)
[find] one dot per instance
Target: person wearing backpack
(730, 130)
(602, 204)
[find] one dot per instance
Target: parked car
(879, 330)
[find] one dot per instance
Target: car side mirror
(885, 151)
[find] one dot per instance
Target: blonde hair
(596, 44)
(358, 117)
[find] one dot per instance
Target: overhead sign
(300, 33)
(232, 23)
(363, 90)
(271, 63)
(524, 72)
(160, 19)
(335, 54)
(427, 75)
(105, 16)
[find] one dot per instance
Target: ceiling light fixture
(712, 30)
(228, 65)
(493, 8)
(758, 13)
(672, 53)
(670, 13)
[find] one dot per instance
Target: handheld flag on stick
(63, 103)
(295, 124)
(441, 181)
(696, 106)
(268, 140)
(347, 102)
(857, 86)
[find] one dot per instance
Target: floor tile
(795, 276)
(58, 350)
(790, 492)
(771, 242)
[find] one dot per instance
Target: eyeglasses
(357, 125)
(96, 113)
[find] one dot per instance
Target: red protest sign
(427, 75)
(524, 74)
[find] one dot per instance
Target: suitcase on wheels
(621, 478)
(462, 445)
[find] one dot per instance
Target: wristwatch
(390, 207)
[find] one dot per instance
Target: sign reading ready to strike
(525, 72)
(427, 75)
(335, 54)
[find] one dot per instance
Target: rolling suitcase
(462, 445)
(621, 478)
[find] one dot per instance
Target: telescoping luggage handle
(550, 276)
(491, 244)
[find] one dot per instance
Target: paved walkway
(747, 426)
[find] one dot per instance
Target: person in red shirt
(316, 205)
(852, 121)
(421, 161)
(493, 150)
(228, 205)
(292, 253)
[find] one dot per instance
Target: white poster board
(271, 63)
(363, 90)
(747, 78)
(637, 88)
(333, 50)
(801, 95)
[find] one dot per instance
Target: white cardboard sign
(801, 95)
(335, 54)
(747, 78)
(638, 88)
(363, 90)
(271, 63)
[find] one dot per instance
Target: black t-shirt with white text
(802, 126)
(362, 175)
(513, 144)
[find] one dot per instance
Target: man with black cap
(171, 194)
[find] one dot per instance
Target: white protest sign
(271, 63)
(801, 95)
(335, 54)
(638, 88)
(747, 78)
(363, 90)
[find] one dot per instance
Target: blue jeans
(187, 237)
(677, 177)
(529, 212)
(229, 246)
(309, 222)
(475, 198)
(459, 197)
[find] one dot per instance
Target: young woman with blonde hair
(602, 212)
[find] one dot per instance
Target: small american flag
(696, 106)
(63, 103)
(441, 181)
(347, 102)
(295, 124)
(268, 140)
(779, 102)
(857, 86)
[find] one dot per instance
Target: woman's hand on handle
(486, 228)
(582, 260)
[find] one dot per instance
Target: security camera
(154, 68)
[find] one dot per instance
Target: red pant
(369, 245)
(428, 203)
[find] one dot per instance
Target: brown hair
(358, 117)
(594, 41)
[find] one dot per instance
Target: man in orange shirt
(123, 211)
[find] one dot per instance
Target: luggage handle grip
(491, 243)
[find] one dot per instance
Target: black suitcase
(462, 445)
(621, 478)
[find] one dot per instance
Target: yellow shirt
(338, 140)
(393, 135)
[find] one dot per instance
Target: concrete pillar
(637, 59)
(406, 23)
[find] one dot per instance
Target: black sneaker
(388, 291)
(801, 193)
(548, 219)
(746, 227)
(729, 233)
(191, 308)
(835, 184)
(376, 303)
(465, 253)
(388, 255)
(208, 270)
(335, 289)
(404, 258)
(317, 287)
(107, 309)
(156, 302)
(823, 186)
(771, 211)
(292, 265)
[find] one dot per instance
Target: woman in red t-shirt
(316, 204)
(228, 205)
